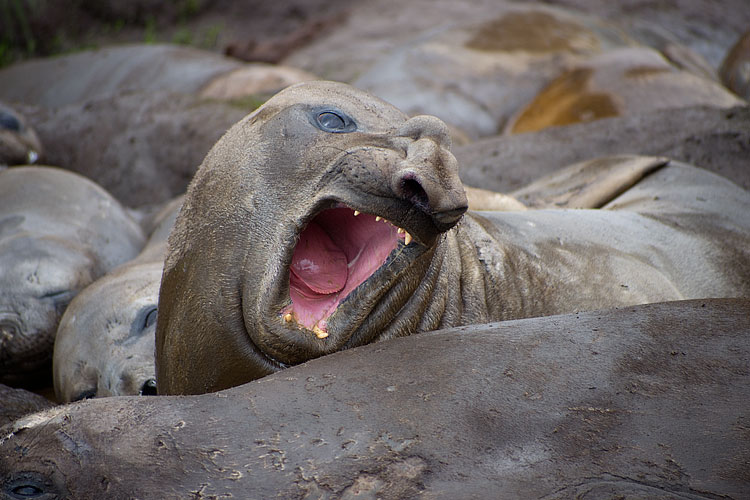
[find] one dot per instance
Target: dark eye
(150, 318)
(26, 491)
(334, 121)
(331, 121)
(61, 299)
(10, 122)
(29, 484)
(87, 394)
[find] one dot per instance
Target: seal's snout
(10, 329)
(148, 388)
(428, 176)
(426, 127)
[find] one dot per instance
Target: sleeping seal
(105, 342)
(58, 232)
(19, 143)
(328, 219)
(642, 402)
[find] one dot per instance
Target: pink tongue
(319, 262)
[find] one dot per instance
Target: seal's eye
(86, 394)
(26, 491)
(150, 318)
(335, 122)
(10, 122)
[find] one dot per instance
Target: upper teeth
(407, 237)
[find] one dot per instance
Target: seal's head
(297, 233)
(38, 278)
(19, 143)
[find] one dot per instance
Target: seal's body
(105, 342)
(641, 402)
(58, 232)
(327, 219)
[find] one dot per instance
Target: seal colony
(328, 219)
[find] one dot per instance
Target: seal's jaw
(338, 250)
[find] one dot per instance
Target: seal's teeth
(400, 231)
(319, 333)
(356, 213)
(378, 218)
(407, 238)
(288, 317)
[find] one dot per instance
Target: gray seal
(641, 402)
(105, 342)
(58, 232)
(19, 143)
(328, 219)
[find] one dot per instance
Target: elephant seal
(58, 232)
(19, 143)
(642, 402)
(323, 221)
(104, 345)
(105, 342)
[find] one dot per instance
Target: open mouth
(336, 252)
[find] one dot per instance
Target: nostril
(8, 330)
(413, 191)
(148, 388)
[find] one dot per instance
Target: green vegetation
(16, 38)
(34, 28)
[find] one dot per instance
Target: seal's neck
(482, 277)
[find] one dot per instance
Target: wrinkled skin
(227, 312)
(19, 144)
(105, 342)
(642, 402)
(58, 232)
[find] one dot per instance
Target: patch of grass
(16, 38)
(149, 32)
(210, 37)
(188, 8)
(182, 36)
(6, 54)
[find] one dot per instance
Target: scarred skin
(679, 233)
(642, 402)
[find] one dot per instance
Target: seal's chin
(336, 252)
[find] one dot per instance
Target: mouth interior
(336, 252)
